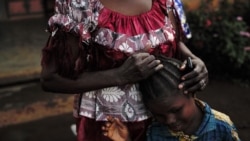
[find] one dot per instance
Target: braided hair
(164, 82)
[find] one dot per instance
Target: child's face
(178, 112)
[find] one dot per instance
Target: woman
(99, 50)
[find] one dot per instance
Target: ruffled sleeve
(180, 17)
(74, 16)
(71, 17)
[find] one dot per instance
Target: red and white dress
(108, 38)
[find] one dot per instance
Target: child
(178, 117)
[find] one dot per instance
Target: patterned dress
(108, 38)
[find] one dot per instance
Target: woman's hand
(137, 67)
(115, 130)
(196, 79)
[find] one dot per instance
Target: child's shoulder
(219, 117)
(223, 122)
(222, 117)
(215, 117)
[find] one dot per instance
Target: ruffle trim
(74, 16)
(131, 44)
(67, 24)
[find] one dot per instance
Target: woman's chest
(128, 7)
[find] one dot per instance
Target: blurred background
(220, 36)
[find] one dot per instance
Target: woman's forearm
(51, 81)
(184, 52)
(86, 82)
(136, 68)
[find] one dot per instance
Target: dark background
(27, 113)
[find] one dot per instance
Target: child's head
(166, 102)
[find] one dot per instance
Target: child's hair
(164, 82)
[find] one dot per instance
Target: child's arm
(115, 130)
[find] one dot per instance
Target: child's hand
(115, 130)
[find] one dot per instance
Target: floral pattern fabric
(116, 37)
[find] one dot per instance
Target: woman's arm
(53, 82)
(198, 78)
(135, 68)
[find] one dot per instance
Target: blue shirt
(215, 126)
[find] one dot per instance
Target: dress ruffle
(80, 17)
(106, 39)
(133, 33)
(132, 25)
(74, 17)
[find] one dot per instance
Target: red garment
(116, 35)
(106, 40)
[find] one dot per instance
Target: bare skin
(136, 7)
(191, 81)
(115, 130)
(137, 67)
